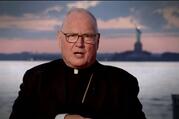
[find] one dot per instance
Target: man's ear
(98, 42)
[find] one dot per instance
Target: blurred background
(141, 37)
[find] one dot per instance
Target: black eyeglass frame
(95, 36)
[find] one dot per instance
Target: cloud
(119, 23)
(29, 45)
(39, 21)
(29, 22)
(170, 14)
(53, 9)
(83, 4)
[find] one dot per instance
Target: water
(157, 81)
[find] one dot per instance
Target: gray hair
(81, 10)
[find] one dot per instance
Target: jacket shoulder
(40, 72)
(120, 78)
(45, 69)
(48, 66)
(116, 71)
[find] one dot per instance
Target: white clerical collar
(75, 71)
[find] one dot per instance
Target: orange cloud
(160, 43)
(169, 14)
(118, 23)
(116, 44)
(29, 22)
(34, 45)
(155, 43)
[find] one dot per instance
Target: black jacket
(53, 88)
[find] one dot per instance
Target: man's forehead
(79, 16)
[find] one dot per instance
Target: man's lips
(79, 54)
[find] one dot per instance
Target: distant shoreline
(124, 56)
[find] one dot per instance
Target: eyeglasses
(89, 38)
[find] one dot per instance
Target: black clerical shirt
(53, 88)
(76, 85)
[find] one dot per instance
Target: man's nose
(80, 42)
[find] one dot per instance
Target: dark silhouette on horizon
(138, 54)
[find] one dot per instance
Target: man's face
(79, 54)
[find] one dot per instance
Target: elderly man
(78, 87)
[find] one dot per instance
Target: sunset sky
(32, 26)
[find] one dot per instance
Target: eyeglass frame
(94, 36)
